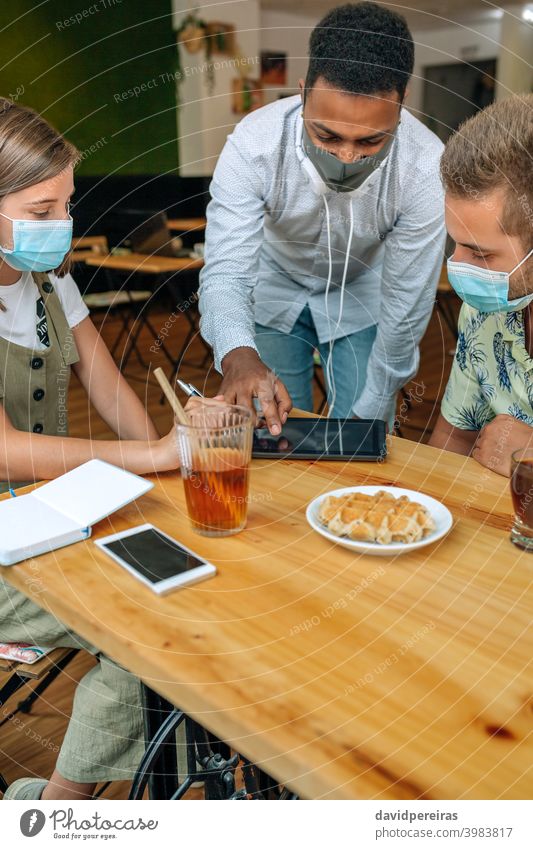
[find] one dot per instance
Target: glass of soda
(522, 495)
(215, 450)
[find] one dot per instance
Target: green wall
(75, 72)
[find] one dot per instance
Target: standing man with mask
(325, 230)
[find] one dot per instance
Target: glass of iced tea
(522, 495)
(215, 449)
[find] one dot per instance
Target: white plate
(440, 514)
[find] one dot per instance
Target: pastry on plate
(380, 518)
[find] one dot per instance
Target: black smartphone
(160, 562)
(324, 439)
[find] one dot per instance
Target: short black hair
(361, 48)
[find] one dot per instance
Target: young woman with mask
(45, 332)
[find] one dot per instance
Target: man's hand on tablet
(246, 377)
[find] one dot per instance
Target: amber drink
(522, 497)
(215, 452)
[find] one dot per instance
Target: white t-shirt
(19, 322)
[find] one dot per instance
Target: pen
(188, 388)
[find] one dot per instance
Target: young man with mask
(326, 230)
(487, 410)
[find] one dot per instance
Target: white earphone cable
(330, 379)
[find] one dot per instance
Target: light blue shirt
(266, 253)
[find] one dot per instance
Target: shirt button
(48, 287)
(38, 395)
(36, 362)
(38, 428)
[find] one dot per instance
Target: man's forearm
(452, 438)
(227, 318)
(236, 355)
(384, 381)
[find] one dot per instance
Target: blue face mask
(486, 290)
(37, 245)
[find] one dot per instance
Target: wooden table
(144, 263)
(163, 269)
(343, 676)
(85, 247)
(186, 224)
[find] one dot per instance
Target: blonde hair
(492, 150)
(31, 150)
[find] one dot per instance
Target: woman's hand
(195, 402)
(164, 453)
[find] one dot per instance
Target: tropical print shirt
(492, 372)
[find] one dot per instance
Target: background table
(162, 271)
(187, 224)
(344, 676)
(144, 263)
(85, 247)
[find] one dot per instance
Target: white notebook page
(92, 491)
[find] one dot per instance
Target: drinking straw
(171, 396)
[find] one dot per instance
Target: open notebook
(61, 512)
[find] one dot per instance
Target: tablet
(324, 439)
(160, 562)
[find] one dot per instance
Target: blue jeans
(290, 355)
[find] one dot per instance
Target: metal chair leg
(209, 760)
(12, 685)
(161, 719)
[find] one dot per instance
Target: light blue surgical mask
(486, 290)
(37, 245)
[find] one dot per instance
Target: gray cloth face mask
(341, 176)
